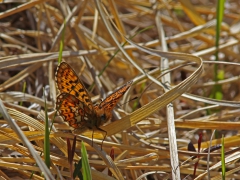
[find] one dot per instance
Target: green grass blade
(223, 160)
(217, 90)
(77, 170)
(46, 137)
(62, 43)
(220, 13)
(85, 164)
(136, 102)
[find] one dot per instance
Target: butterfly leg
(92, 137)
(104, 135)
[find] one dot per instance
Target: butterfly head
(103, 115)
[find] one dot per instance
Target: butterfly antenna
(128, 101)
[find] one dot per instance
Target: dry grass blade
(23, 138)
(160, 102)
(19, 96)
(19, 8)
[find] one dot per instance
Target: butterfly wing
(68, 82)
(103, 110)
(111, 101)
(75, 112)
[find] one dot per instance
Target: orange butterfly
(74, 103)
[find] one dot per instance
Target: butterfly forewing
(68, 81)
(110, 102)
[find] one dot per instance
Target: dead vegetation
(166, 48)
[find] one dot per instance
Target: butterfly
(74, 104)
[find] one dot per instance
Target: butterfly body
(74, 103)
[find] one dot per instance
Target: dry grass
(148, 127)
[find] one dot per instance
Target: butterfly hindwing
(72, 110)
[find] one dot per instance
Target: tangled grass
(182, 58)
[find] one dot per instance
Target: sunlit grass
(92, 38)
